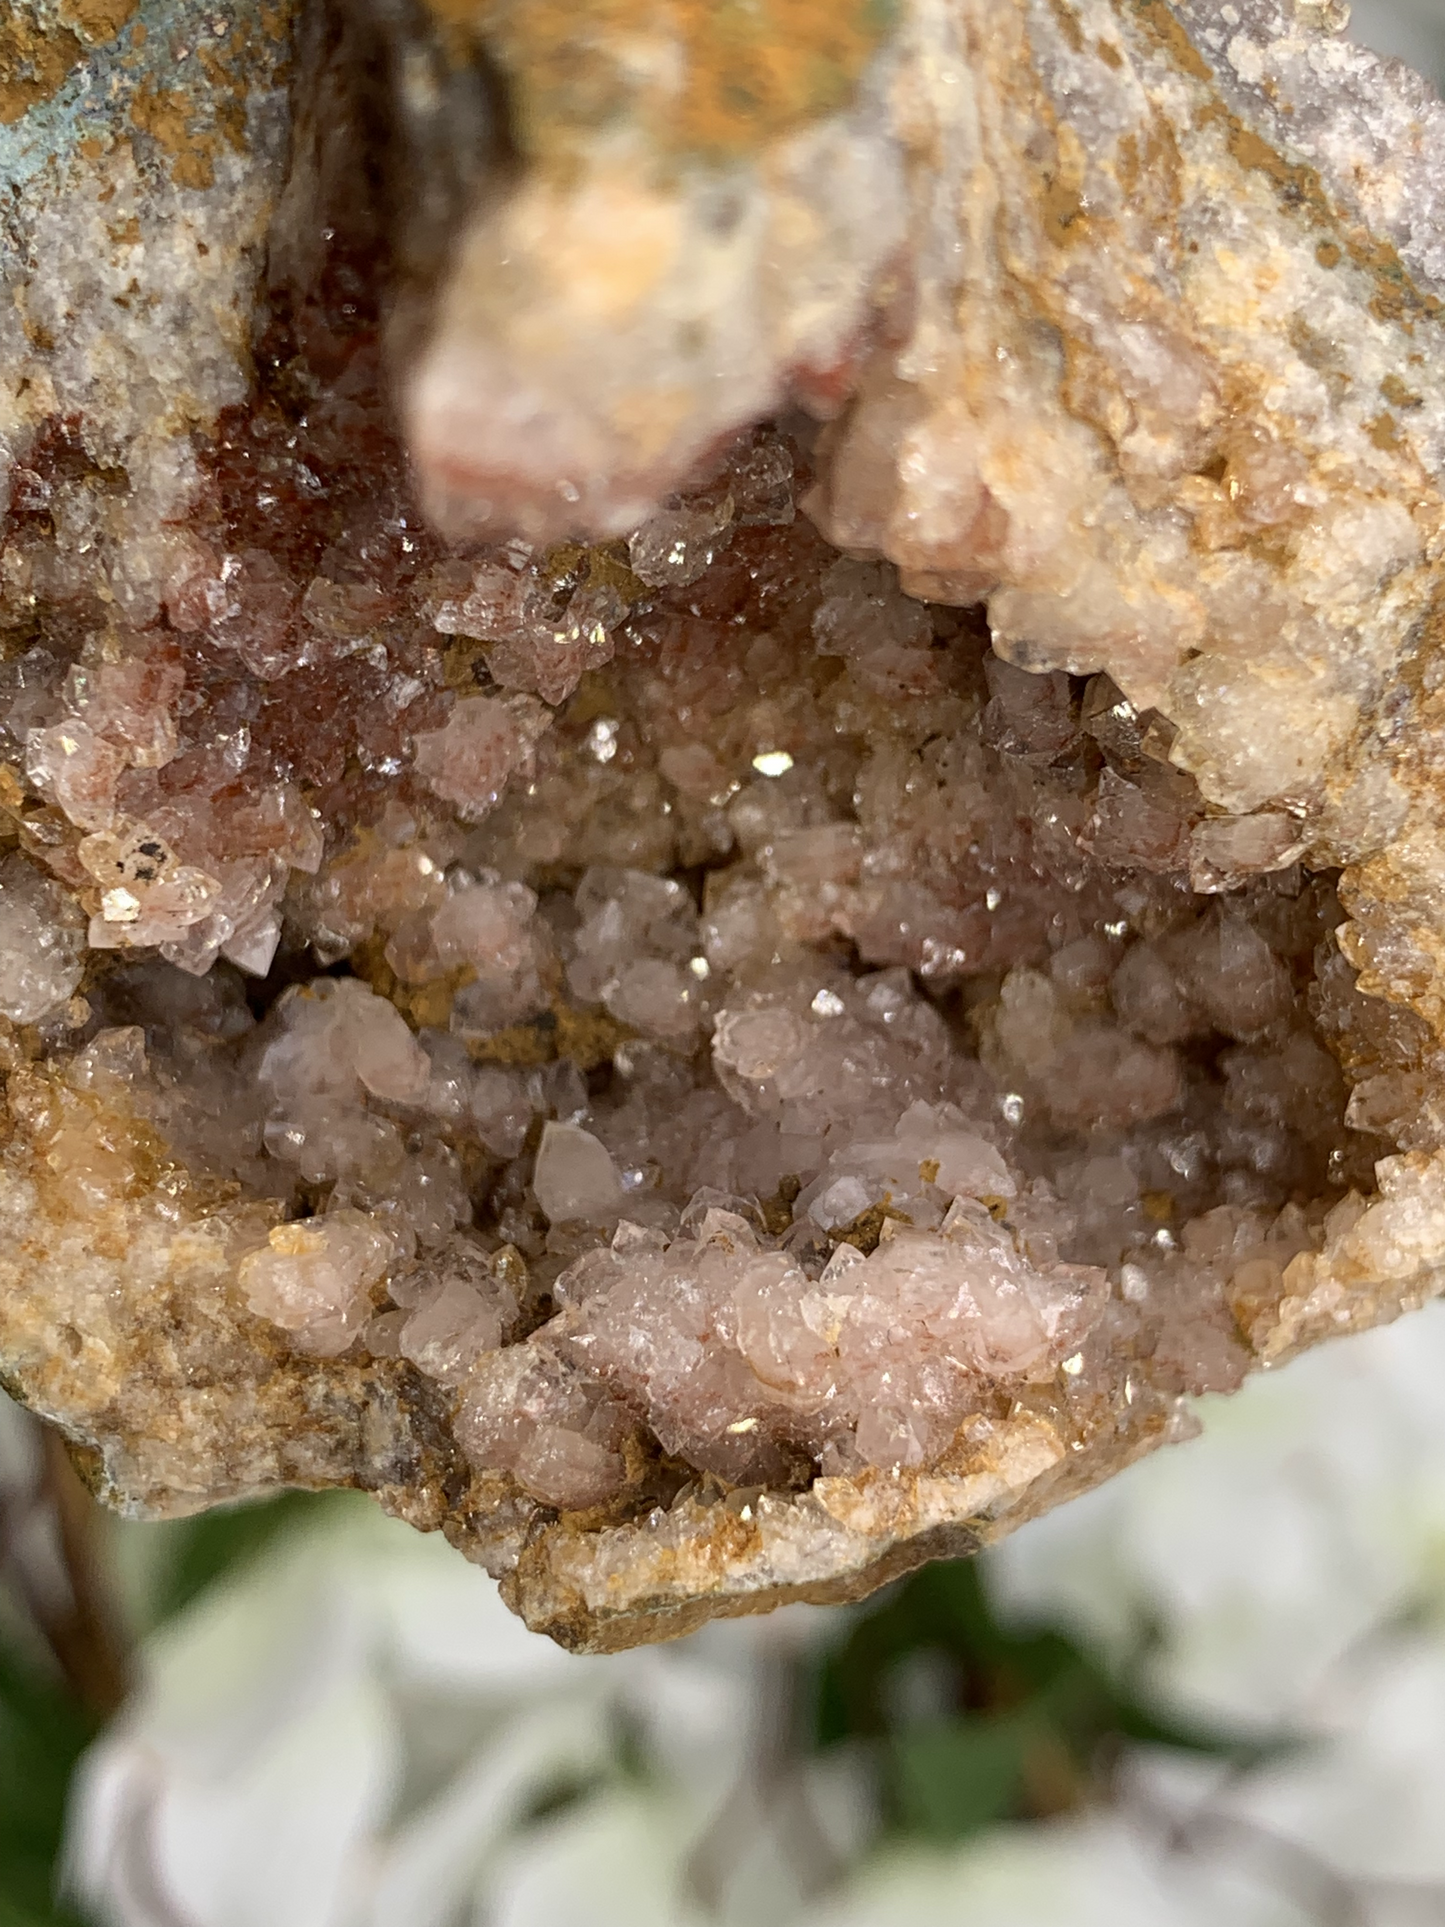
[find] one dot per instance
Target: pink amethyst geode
(721, 836)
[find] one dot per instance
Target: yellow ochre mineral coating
(38, 55)
(714, 77)
(35, 62)
(1298, 185)
(98, 21)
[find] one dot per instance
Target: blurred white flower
(1283, 1573)
(617, 1862)
(1361, 1809)
(1254, 1558)
(354, 1732)
(1093, 1872)
(1372, 1804)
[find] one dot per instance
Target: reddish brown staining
(319, 490)
(325, 728)
(826, 392)
(335, 730)
(312, 498)
(313, 465)
(55, 463)
(765, 583)
(315, 498)
(308, 510)
(57, 459)
(307, 478)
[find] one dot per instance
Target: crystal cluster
(713, 1044)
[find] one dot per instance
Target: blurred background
(1413, 30)
(1211, 1693)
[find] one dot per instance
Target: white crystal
(575, 1177)
(42, 944)
(313, 1277)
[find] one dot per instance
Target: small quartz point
(575, 1176)
(42, 943)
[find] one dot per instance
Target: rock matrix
(718, 913)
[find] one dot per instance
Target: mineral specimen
(753, 969)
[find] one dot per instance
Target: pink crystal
(484, 743)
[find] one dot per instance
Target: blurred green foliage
(970, 1721)
(42, 1734)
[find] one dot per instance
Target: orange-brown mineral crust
(719, 798)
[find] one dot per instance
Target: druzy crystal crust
(753, 970)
